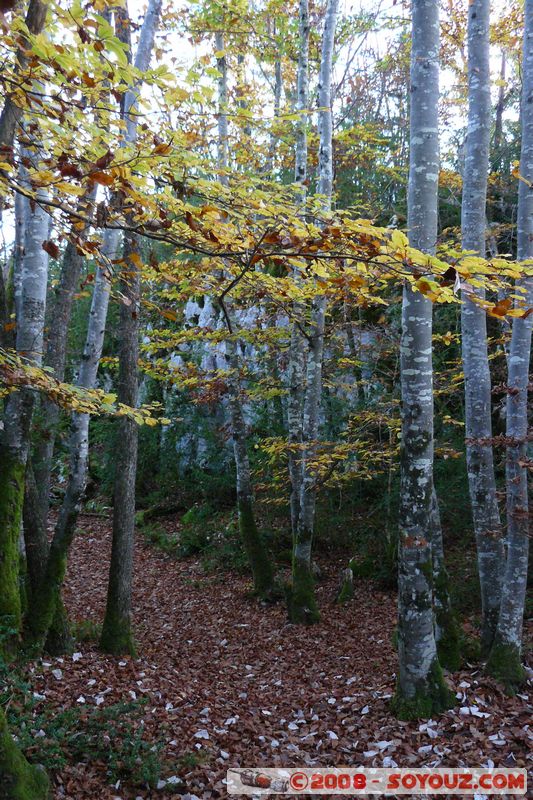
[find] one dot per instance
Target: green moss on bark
(505, 665)
(117, 636)
(449, 634)
(11, 503)
(44, 602)
(488, 630)
(59, 640)
(346, 592)
(429, 700)
(260, 563)
(19, 780)
(301, 602)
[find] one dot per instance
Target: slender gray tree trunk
(481, 479)
(258, 557)
(296, 365)
(55, 358)
(117, 635)
(43, 602)
(18, 412)
(447, 634)
(37, 489)
(505, 656)
(302, 602)
(421, 690)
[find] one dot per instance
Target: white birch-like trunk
(481, 478)
(302, 606)
(505, 657)
(43, 604)
(420, 690)
(296, 365)
(15, 445)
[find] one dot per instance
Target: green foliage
(211, 535)
(379, 562)
(113, 735)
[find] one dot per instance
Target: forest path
(214, 663)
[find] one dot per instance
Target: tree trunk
(55, 358)
(260, 563)
(505, 656)
(421, 690)
(302, 602)
(117, 636)
(20, 780)
(37, 492)
(258, 557)
(18, 412)
(481, 479)
(446, 626)
(44, 599)
(296, 366)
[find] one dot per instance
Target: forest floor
(227, 682)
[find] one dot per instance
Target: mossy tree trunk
(302, 602)
(447, 634)
(421, 690)
(481, 478)
(258, 556)
(117, 636)
(19, 780)
(15, 443)
(505, 657)
(11, 499)
(59, 639)
(46, 597)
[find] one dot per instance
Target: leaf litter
(228, 682)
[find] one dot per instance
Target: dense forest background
(265, 325)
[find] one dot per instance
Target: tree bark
(447, 634)
(20, 780)
(117, 635)
(505, 656)
(19, 409)
(296, 366)
(421, 690)
(55, 358)
(302, 602)
(481, 478)
(44, 599)
(258, 557)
